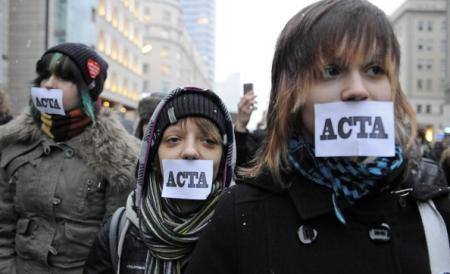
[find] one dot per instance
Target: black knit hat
(92, 66)
(187, 102)
(200, 104)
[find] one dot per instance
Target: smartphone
(248, 87)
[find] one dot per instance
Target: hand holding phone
(248, 87)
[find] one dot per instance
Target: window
(428, 109)
(165, 70)
(166, 16)
(430, 25)
(101, 8)
(444, 45)
(419, 84)
(93, 15)
(429, 65)
(419, 108)
(420, 25)
(144, 68)
(444, 25)
(429, 84)
(444, 66)
(420, 45)
(429, 45)
(419, 64)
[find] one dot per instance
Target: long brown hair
(315, 35)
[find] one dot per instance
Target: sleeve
(216, 251)
(8, 220)
(99, 259)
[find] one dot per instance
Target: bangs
(206, 127)
(59, 65)
(359, 32)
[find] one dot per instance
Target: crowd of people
(193, 192)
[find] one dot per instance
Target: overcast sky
(246, 32)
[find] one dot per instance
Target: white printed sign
(354, 129)
(48, 100)
(187, 179)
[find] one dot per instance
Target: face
(187, 141)
(361, 80)
(71, 97)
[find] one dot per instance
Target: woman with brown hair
(306, 209)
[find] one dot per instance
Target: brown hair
(311, 37)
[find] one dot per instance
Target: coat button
(381, 233)
(53, 250)
(68, 153)
(306, 234)
(56, 200)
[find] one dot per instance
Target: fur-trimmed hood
(105, 146)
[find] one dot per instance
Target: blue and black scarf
(350, 179)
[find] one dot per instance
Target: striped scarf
(169, 235)
(350, 179)
(62, 128)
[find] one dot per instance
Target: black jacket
(259, 229)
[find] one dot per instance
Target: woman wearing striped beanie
(186, 162)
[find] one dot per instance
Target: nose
(190, 150)
(355, 88)
(48, 83)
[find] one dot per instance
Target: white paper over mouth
(354, 129)
(187, 179)
(48, 100)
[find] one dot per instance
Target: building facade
(170, 57)
(4, 30)
(120, 40)
(423, 31)
(199, 17)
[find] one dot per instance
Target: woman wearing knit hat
(186, 162)
(64, 167)
(338, 186)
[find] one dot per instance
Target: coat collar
(105, 146)
(312, 200)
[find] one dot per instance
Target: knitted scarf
(345, 177)
(62, 128)
(169, 234)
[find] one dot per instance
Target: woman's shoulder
(253, 190)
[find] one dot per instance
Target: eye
(172, 139)
(375, 70)
(331, 72)
(210, 141)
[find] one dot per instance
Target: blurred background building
(145, 42)
(423, 30)
(170, 58)
(4, 17)
(199, 17)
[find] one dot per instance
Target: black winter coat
(259, 229)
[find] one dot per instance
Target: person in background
(445, 163)
(145, 109)
(296, 212)
(157, 233)
(64, 168)
(5, 108)
(247, 143)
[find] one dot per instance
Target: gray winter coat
(55, 196)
